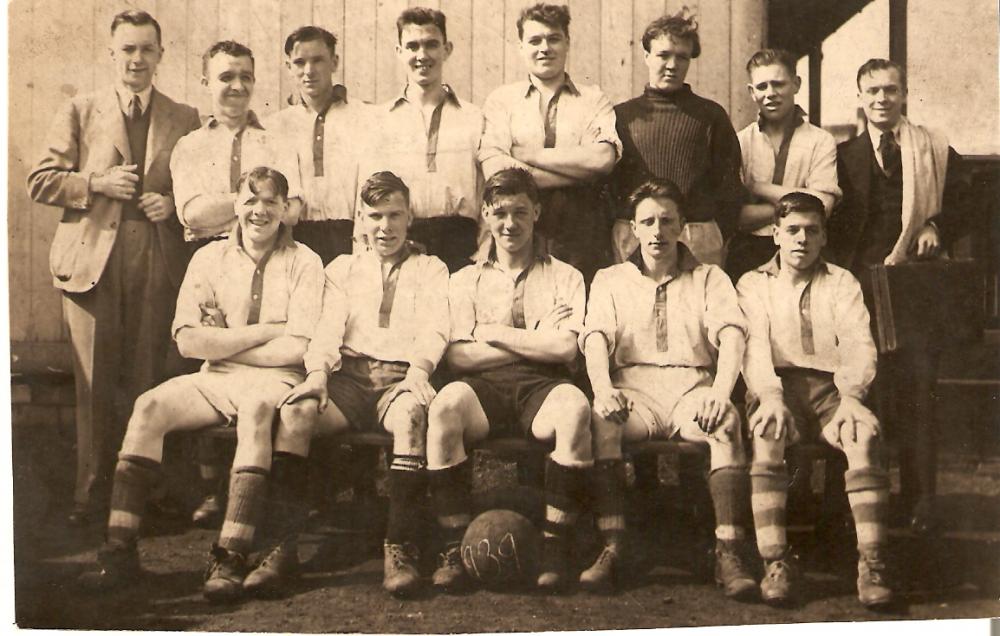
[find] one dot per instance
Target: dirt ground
(956, 575)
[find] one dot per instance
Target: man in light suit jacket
(904, 199)
(118, 255)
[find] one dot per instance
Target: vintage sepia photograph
(483, 316)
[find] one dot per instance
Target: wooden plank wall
(606, 50)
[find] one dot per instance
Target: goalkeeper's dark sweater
(689, 140)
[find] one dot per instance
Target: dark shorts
(453, 239)
(812, 398)
(329, 239)
(512, 394)
(363, 389)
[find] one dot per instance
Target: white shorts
(655, 392)
(226, 388)
(705, 242)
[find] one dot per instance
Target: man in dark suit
(118, 255)
(904, 199)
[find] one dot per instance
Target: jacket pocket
(65, 250)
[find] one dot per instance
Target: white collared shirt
(820, 324)
(674, 323)
(439, 166)
(125, 96)
(330, 195)
(286, 288)
(356, 321)
(513, 118)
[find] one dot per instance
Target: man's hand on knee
(851, 418)
(417, 382)
(612, 404)
(772, 414)
(710, 409)
(314, 387)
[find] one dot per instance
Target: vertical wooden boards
(101, 66)
(359, 49)
(513, 68)
(265, 42)
(51, 48)
(711, 73)
(294, 14)
(22, 151)
(587, 42)
(748, 21)
(643, 12)
(329, 14)
(389, 73)
(488, 47)
(617, 45)
(234, 22)
(202, 32)
(171, 75)
(458, 73)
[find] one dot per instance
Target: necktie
(889, 149)
(135, 109)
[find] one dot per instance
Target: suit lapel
(160, 126)
(858, 159)
(113, 123)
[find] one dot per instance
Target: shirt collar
(876, 134)
(252, 121)
(125, 98)
(339, 96)
(798, 118)
(449, 96)
(773, 266)
(568, 86)
(284, 238)
(487, 252)
(686, 260)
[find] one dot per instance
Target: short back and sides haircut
(380, 186)
(769, 57)
(311, 34)
(421, 16)
(881, 64)
(510, 182)
(655, 189)
(802, 202)
(554, 16)
(135, 18)
(254, 178)
(680, 26)
(230, 48)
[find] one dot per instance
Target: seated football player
(809, 364)
(515, 315)
(663, 340)
(382, 333)
(248, 306)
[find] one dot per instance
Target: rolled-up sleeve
(758, 363)
(603, 127)
(722, 308)
(601, 316)
(570, 290)
(305, 302)
(497, 139)
(461, 304)
(323, 353)
(432, 336)
(196, 289)
(855, 347)
(185, 178)
(823, 171)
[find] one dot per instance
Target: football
(501, 548)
